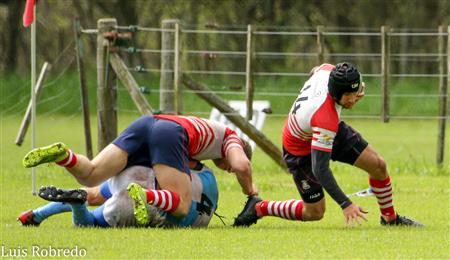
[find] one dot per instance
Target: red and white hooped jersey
(313, 120)
(207, 139)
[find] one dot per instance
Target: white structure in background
(259, 116)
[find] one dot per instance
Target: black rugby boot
(51, 193)
(248, 216)
(401, 221)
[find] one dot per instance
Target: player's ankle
(389, 218)
(259, 212)
(69, 159)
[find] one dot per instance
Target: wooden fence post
(249, 73)
(27, 117)
(166, 85)
(442, 99)
(106, 86)
(260, 139)
(130, 84)
(448, 71)
(320, 44)
(83, 89)
(385, 50)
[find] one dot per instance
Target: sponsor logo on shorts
(305, 185)
(314, 196)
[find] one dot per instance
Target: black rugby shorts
(347, 146)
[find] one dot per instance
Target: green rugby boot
(52, 153)
(139, 198)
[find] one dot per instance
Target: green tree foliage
(55, 24)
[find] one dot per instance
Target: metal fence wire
(405, 70)
(282, 59)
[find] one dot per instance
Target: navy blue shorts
(149, 141)
(347, 146)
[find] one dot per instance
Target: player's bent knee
(381, 168)
(183, 209)
(313, 212)
(317, 215)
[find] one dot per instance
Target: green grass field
(15, 94)
(409, 147)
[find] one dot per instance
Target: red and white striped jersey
(313, 120)
(207, 139)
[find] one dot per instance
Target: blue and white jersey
(205, 196)
(118, 209)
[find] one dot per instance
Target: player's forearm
(321, 170)
(245, 180)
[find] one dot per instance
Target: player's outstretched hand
(354, 215)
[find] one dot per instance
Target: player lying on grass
(166, 144)
(313, 134)
(117, 211)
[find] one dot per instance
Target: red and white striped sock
(163, 199)
(383, 191)
(70, 161)
(290, 209)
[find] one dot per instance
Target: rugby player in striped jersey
(165, 143)
(312, 135)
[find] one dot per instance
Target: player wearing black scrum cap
(312, 135)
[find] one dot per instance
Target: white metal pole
(33, 97)
(176, 69)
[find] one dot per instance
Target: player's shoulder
(321, 76)
(326, 67)
(316, 89)
(218, 127)
(207, 121)
(326, 115)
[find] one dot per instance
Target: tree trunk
(15, 9)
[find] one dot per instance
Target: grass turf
(421, 191)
